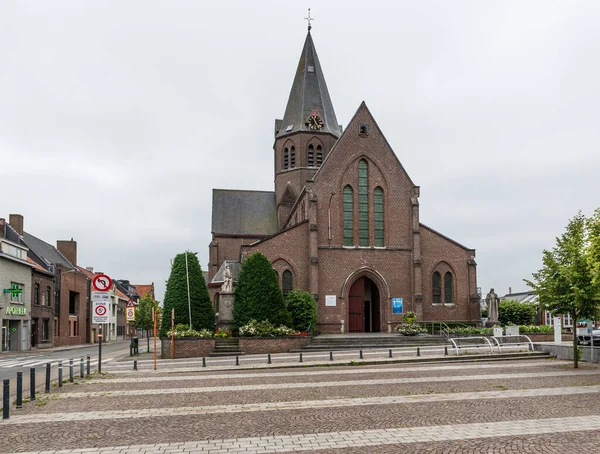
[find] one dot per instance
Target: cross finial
(309, 19)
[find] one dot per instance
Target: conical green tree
(257, 293)
(176, 296)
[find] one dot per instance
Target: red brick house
(343, 222)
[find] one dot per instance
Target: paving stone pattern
(541, 406)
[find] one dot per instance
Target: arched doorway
(364, 307)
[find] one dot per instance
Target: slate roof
(309, 92)
(46, 251)
(235, 268)
(244, 212)
(521, 297)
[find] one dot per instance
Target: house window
(286, 158)
(363, 203)
(319, 156)
(348, 216)
(378, 211)
(45, 329)
(73, 299)
(36, 294)
(16, 296)
(48, 295)
(548, 317)
(436, 286)
(311, 156)
(73, 328)
(292, 157)
(287, 282)
(567, 320)
(448, 288)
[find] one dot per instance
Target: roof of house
(309, 96)
(244, 212)
(521, 297)
(37, 266)
(46, 251)
(142, 289)
(120, 294)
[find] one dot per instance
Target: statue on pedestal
(492, 301)
(227, 286)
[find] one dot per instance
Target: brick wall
(187, 348)
(75, 282)
(43, 310)
(264, 345)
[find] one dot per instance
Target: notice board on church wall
(397, 305)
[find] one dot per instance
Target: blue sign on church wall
(396, 305)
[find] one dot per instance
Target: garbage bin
(134, 345)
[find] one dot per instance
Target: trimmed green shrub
(303, 310)
(257, 295)
(515, 313)
(176, 296)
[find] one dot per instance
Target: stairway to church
(366, 341)
(226, 346)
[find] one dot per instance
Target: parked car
(587, 339)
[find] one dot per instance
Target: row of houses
(45, 298)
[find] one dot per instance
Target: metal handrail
(456, 347)
(529, 342)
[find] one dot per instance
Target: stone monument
(226, 300)
(492, 301)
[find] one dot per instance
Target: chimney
(90, 269)
(510, 290)
(2, 227)
(68, 248)
(16, 222)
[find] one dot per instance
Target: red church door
(357, 301)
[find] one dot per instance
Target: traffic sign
(100, 307)
(130, 314)
(130, 303)
(102, 283)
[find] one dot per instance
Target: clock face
(314, 122)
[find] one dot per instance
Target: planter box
(190, 347)
(263, 345)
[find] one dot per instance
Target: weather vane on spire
(309, 19)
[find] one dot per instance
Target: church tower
(307, 132)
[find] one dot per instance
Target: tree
(303, 310)
(593, 226)
(565, 284)
(515, 313)
(143, 315)
(176, 296)
(257, 294)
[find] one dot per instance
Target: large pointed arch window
(286, 158)
(292, 157)
(311, 156)
(378, 212)
(448, 288)
(348, 216)
(287, 282)
(436, 286)
(363, 203)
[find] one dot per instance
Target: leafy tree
(593, 225)
(176, 296)
(303, 310)
(565, 284)
(515, 313)
(143, 315)
(257, 295)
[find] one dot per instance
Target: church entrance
(364, 306)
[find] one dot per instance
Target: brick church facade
(343, 222)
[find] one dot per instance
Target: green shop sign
(16, 310)
(14, 291)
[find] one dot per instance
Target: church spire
(309, 106)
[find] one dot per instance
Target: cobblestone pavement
(533, 406)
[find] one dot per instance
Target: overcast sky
(117, 118)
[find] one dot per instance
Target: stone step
(232, 353)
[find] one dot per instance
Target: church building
(343, 222)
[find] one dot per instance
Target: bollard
(81, 367)
(300, 358)
(237, 360)
(60, 374)
(71, 370)
(446, 351)
(390, 353)
(47, 389)
(418, 351)
(19, 389)
(32, 384)
(135, 364)
(6, 399)
(330, 356)
(268, 358)
(88, 365)
(360, 355)
(203, 362)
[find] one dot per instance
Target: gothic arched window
(292, 157)
(287, 282)
(378, 212)
(319, 155)
(348, 216)
(363, 203)
(436, 286)
(448, 288)
(286, 158)
(311, 156)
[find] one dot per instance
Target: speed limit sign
(130, 314)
